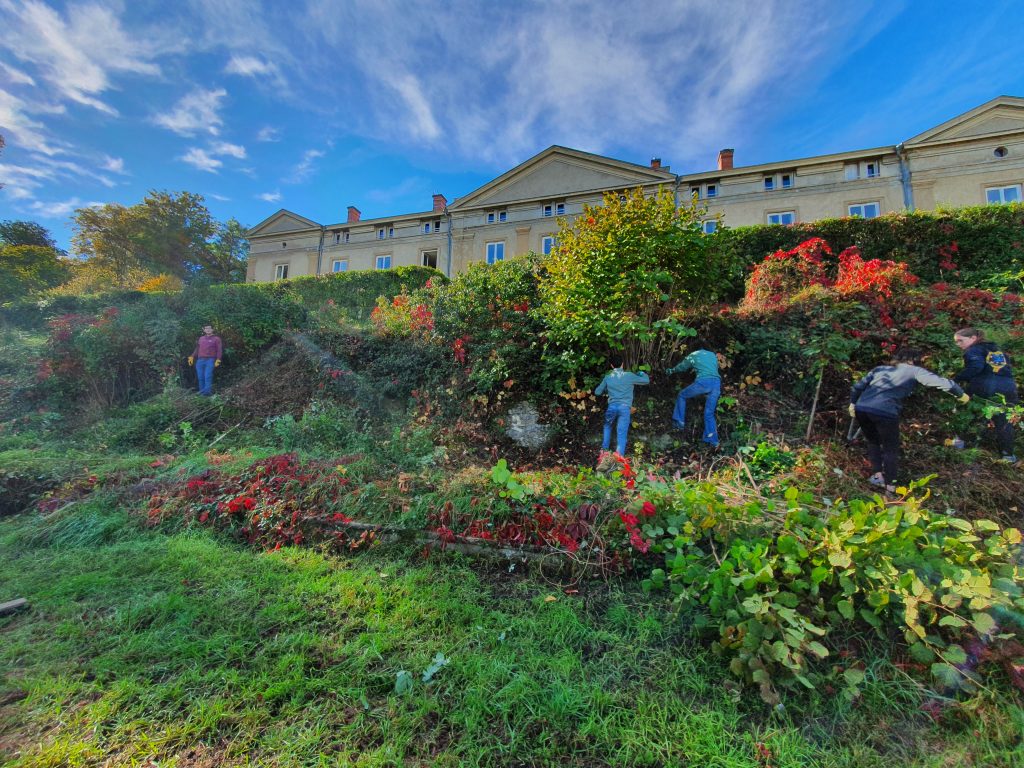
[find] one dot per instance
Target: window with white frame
(769, 183)
(280, 271)
(384, 262)
(696, 193)
(865, 210)
(337, 237)
(712, 190)
(710, 226)
(787, 180)
(559, 209)
(865, 169)
(496, 216)
(782, 217)
(547, 244)
(339, 265)
(426, 227)
(495, 252)
(437, 225)
(429, 258)
(1007, 194)
(344, 235)
(381, 233)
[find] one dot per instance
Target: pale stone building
(972, 159)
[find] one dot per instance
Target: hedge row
(355, 292)
(986, 243)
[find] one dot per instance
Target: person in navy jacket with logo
(987, 373)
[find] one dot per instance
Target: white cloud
(221, 198)
(197, 112)
(269, 197)
(306, 167)
(77, 54)
(230, 150)
(113, 164)
(20, 130)
(201, 160)
(15, 76)
(250, 66)
(60, 209)
(268, 133)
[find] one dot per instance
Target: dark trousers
(1003, 428)
(883, 437)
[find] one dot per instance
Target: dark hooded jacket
(884, 389)
(986, 371)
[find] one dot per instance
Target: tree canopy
(167, 233)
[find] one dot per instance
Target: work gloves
(216, 363)
(853, 410)
(191, 360)
(964, 398)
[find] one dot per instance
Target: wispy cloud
(196, 112)
(229, 150)
(15, 76)
(201, 159)
(251, 66)
(221, 198)
(305, 167)
(23, 131)
(113, 164)
(404, 189)
(269, 197)
(268, 133)
(59, 209)
(78, 53)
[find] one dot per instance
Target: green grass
(186, 650)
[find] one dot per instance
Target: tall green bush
(620, 272)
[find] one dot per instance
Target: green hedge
(989, 244)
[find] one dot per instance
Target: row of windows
(774, 181)
(869, 210)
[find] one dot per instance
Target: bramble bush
(784, 584)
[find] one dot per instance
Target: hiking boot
(877, 479)
(1007, 458)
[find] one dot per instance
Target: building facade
(972, 159)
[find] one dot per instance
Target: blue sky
(314, 105)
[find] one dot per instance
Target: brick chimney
(656, 162)
(440, 201)
(725, 160)
(353, 214)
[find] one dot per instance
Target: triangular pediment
(558, 172)
(1001, 116)
(282, 221)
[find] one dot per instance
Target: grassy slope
(187, 650)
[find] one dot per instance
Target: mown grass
(182, 649)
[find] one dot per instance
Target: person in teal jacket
(619, 385)
(704, 363)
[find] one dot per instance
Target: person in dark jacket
(876, 401)
(987, 373)
(205, 357)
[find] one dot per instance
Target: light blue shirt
(619, 385)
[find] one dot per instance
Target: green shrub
(784, 588)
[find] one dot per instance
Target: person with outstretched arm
(205, 357)
(876, 401)
(704, 363)
(618, 383)
(987, 373)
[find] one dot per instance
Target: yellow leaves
(751, 380)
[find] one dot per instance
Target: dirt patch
(280, 381)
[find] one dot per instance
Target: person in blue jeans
(619, 385)
(704, 363)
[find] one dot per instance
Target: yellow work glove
(216, 363)
(853, 410)
(964, 398)
(191, 360)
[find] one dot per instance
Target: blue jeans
(204, 373)
(713, 389)
(621, 414)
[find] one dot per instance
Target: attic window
(1001, 152)
(284, 245)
